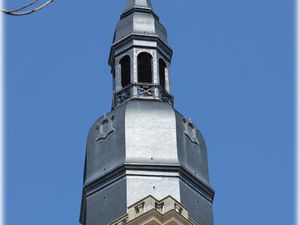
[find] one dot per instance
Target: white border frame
(297, 131)
(1, 116)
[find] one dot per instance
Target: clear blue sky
(232, 73)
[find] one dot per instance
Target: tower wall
(106, 204)
(200, 208)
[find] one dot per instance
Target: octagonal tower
(143, 147)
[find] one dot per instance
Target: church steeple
(140, 57)
(144, 160)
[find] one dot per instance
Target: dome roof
(148, 133)
(139, 19)
(142, 148)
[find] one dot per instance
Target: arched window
(162, 73)
(125, 71)
(144, 68)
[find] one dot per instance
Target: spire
(140, 56)
(138, 4)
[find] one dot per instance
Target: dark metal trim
(139, 9)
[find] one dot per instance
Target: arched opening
(125, 71)
(144, 68)
(162, 73)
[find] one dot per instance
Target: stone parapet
(150, 211)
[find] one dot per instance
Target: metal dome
(146, 144)
(139, 19)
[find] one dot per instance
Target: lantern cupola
(140, 56)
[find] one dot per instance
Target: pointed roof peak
(138, 4)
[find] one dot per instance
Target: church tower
(143, 158)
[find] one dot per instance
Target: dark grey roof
(143, 148)
(139, 130)
(139, 19)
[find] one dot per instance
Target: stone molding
(150, 211)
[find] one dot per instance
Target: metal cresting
(25, 9)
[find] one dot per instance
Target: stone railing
(165, 96)
(145, 90)
(142, 91)
(123, 95)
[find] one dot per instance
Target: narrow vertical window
(114, 81)
(125, 71)
(162, 73)
(145, 68)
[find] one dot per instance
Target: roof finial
(139, 4)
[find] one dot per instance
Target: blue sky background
(232, 73)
